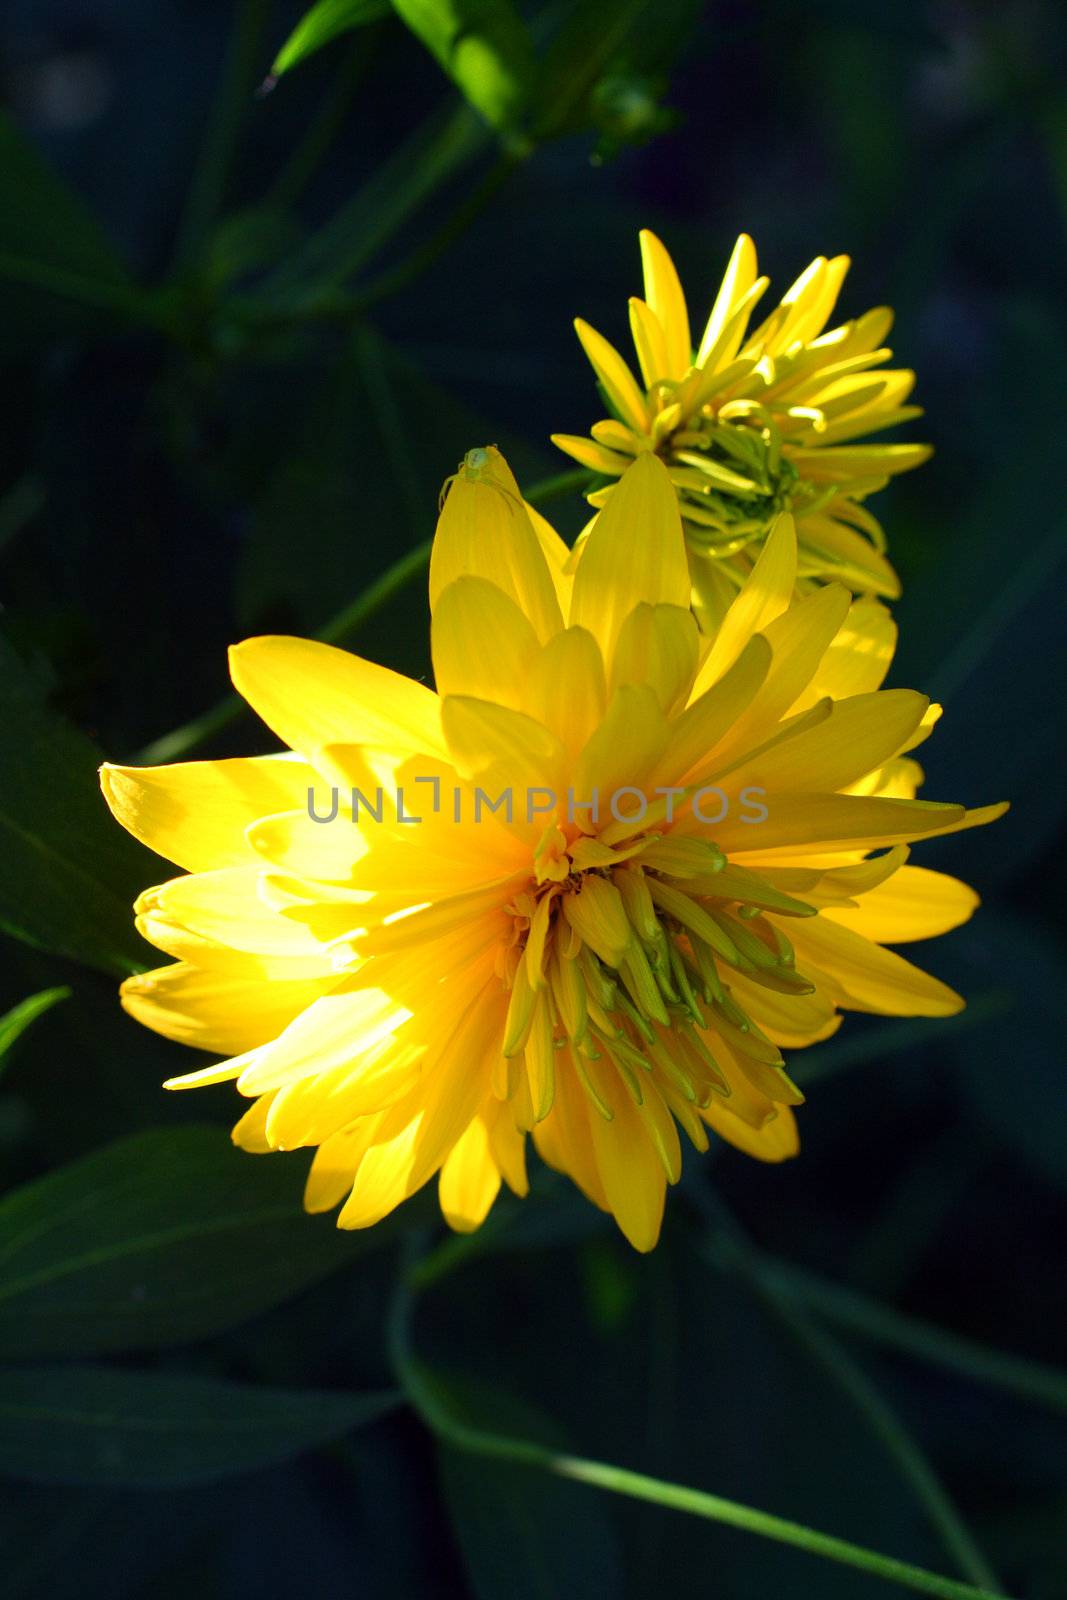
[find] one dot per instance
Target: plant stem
(176, 744)
(735, 1252)
(1030, 1380)
(426, 1402)
(231, 103)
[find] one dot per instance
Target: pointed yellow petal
(650, 343)
(915, 903)
(485, 531)
(227, 1011)
(618, 381)
(738, 279)
(635, 552)
(226, 906)
(767, 592)
(859, 735)
(867, 977)
(195, 812)
(312, 694)
(663, 292)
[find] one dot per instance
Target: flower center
(631, 954)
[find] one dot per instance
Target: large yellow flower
(413, 998)
(751, 424)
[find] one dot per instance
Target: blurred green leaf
(165, 1237)
(322, 23)
(18, 1019)
(589, 41)
(484, 47)
(68, 873)
(152, 1430)
(49, 240)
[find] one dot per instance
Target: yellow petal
(227, 1010)
(857, 659)
(635, 552)
(470, 1179)
(776, 1140)
(567, 691)
(225, 906)
(649, 342)
(658, 646)
(738, 279)
(482, 643)
(618, 381)
(867, 977)
(695, 735)
(631, 1172)
(194, 813)
(837, 822)
(663, 292)
(334, 1031)
(859, 735)
(485, 531)
(915, 903)
(489, 739)
(621, 753)
(312, 694)
(766, 593)
(411, 1145)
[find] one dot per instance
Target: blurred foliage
(244, 340)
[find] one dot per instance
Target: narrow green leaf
(484, 47)
(168, 1236)
(18, 1019)
(50, 242)
(68, 873)
(158, 1430)
(322, 23)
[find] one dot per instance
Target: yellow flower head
(753, 423)
(642, 866)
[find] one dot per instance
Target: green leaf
(68, 873)
(322, 23)
(157, 1430)
(50, 241)
(484, 47)
(18, 1019)
(591, 37)
(168, 1236)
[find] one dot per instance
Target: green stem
(178, 743)
(232, 100)
(1030, 1380)
(735, 1252)
(427, 1404)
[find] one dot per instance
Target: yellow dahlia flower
(753, 423)
(597, 879)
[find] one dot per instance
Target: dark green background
(247, 467)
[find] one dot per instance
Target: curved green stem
(178, 743)
(736, 1253)
(425, 1400)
